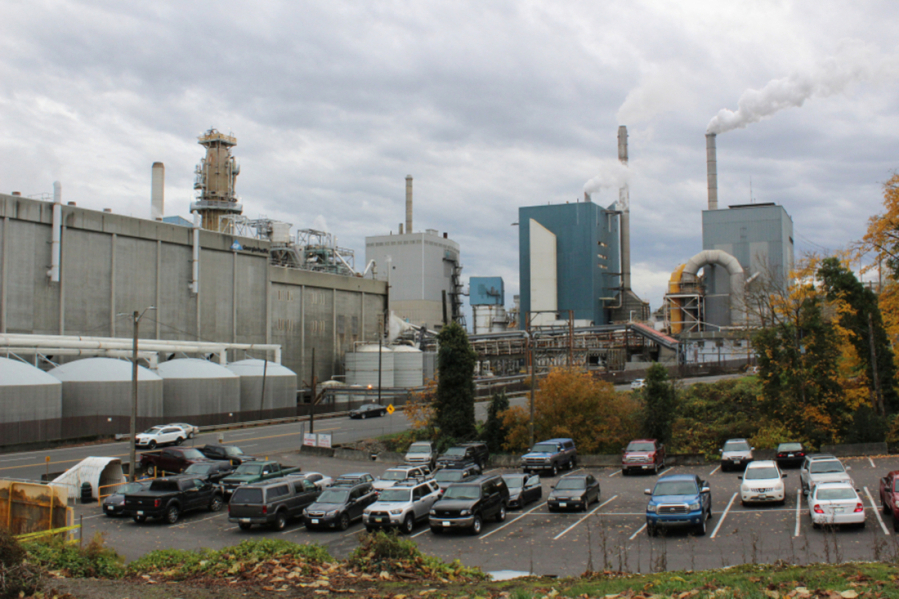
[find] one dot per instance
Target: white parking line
(669, 469)
(639, 530)
(495, 530)
(616, 473)
(724, 515)
(717, 468)
(872, 463)
(877, 512)
(183, 524)
(559, 536)
(91, 517)
(798, 508)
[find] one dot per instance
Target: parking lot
(611, 535)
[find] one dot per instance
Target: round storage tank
(199, 392)
(96, 397)
(362, 366)
(30, 404)
(280, 399)
(407, 367)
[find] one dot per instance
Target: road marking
(17, 459)
(798, 508)
(639, 530)
(616, 473)
(250, 445)
(287, 532)
(558, 536)
(724, 515)
(241, 434)
(91, 517)
(669, 469)
(717, 468)
(872, 463)
(877, 512)
(183, 524)
(421, 533)
(495, 530)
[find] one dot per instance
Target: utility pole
(312, 406)
(132, 469)
(380, 344)
(878, 395)
(533, 371)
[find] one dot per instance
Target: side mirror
(752, 449)
(720, 451)
(647, 492)
(784, 475)
(740, 477)
(706, 490)
(553, 487)
(848, 467)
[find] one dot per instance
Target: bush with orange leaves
(572, 404)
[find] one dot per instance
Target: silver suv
(402, 505)
(822, 468)
(392, 476)
(736, 453)
(421, 452)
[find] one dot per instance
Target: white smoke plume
(320, 224)
(612, 175)
(853, 62)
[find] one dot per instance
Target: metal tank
(362, 366)
(407, 367)
(199, 392)
(280, 389)
(96, 397)
(31, 403)
(429, 365)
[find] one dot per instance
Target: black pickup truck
(271, 503)
(168, 498)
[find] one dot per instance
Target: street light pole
(132, 469)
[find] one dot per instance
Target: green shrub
(94, 560)
(17, 577)
(11, 552)
(388, 551)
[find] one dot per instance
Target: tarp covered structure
(99, 472)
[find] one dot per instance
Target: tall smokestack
(712, 166)
(408, 204)
(625, 206)
(157, 191)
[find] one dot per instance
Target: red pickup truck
(172, 460)
(889, 496)
(643, 455)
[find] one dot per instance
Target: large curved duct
(721, 258)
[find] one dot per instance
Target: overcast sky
(489, 105)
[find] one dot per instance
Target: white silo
(30, 404)
(364, 365)
(199, 392)
(407, 366)
(97, 395)
(279, 382)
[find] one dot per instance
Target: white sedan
(192, 431)
(762, 483)
(835, 503)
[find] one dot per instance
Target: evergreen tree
(659, 404)
(454, 406)
(494, 428)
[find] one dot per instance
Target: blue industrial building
(486, 291)
(569, 260)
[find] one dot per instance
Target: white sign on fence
(324, 440)
(309, 439)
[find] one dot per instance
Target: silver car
(820, 469)
(402, 505)
(736, 453)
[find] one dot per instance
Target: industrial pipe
(408, 204)
(157, 191)
(195, 264)
(56, 233)
(711, 157)
(624, 203)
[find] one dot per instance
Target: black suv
(226, 452)
(466, 505)
(575, 491)
(448, 476)
(338, 506)
(463, 455)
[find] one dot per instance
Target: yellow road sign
(390, 409)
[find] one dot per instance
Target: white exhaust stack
(712, 167)
(157, 191)
(624, 205)
(408, 204)
(56, 233)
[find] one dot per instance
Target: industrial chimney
(712, 167)
(157, 191)
(624, 206)
(408, 204)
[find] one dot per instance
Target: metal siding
(251, 281)
(135, 284)
(87, 279)
(216, 294)
(178, 309)
(480, 288)
(318, 332)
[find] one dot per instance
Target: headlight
(651, 507)
(333, 513)
(546, 460)
(396, 512)
(465, 513)
(433, 512)
(694, 506)
(514, 496)
(243, 482)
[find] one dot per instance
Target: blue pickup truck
(679, 500)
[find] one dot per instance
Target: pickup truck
(250, 473)
(643, 455)
(168, 498)
(272, 503)
(678, 500)
(172, 460)
(889, 494)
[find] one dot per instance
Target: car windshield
(639, 446)
(789, 447)
(448, 476)
(896, 485)
(455, 451)
(198, 469)
(825, 467)
(514, 482)
(760, 473)
(252, 469)
(545, 448)
(153, 431)
(462, 492)
(334, 496)
(394, 475)
(247, 496)
(164, 485)
(571, 483)
(420, 448)
(681, 487)
(192, 454)
(391, 495)
(230, 450)
(835, 494)
(736, 446)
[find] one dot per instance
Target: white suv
(393, 476)
(402, 505)
(161, 435)
(762, 483)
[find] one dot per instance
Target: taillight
(859, 508)
(818, 509)
(801, 454)
(264, 509)
(157, 503)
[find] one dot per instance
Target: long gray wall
(114, 264)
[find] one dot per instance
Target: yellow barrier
(101, 496)
(44, 533)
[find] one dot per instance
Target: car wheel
(651, 530)
(501, 515)
(436, 530)
(701, 529)
(862, 524)
(150, 470)
(280, 522)
(886, 509)
(525, 471)
(896, 524)
(172, 514)
(245, 526)
(476, 526)
(624, 472)
(408, 524)
(555, 469)
(152, 445)
(216, 504)
(364, 416)
(344, 521)
(815, 525)
(574, 462)
(140, 519)
(179, 440)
